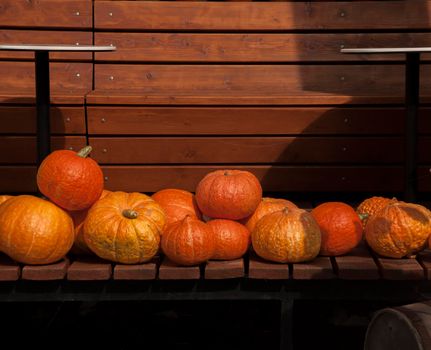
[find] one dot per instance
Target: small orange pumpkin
(177, 204)
(188, 242)
(287, 236)
(4, 198)
(232, 239)
(266, 206)
(228, 194)
(340, 226)
(399, 229)
(71, 180)
(124, 227)
(372, 205)
(34, 231)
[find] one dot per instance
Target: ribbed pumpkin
(266, 206)
(71, 180)
(4, 198)
(34, 231)
(340, 226)
(177, 204)
(287, 236)
(188, 242)
(124, 227)
(228, 194)
(399, 229)
(372, 205)
(232, 239)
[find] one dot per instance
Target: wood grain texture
(400, 269)
(64, 97)
(22, 120)
(89, 269)
(188, 47)
(46, 13)
(147, 271)
(238, 150)
(9, 269)
(318, 269)
(171, 271)
(261, 16)
(23, 149)
(50, 272)
(18, 179)
(266, 270)
(216, 270)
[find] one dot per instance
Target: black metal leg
(286, 324)
(42, 105)
(412, 106)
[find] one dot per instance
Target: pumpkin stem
(84, 153)
(130, 214)
(286, 210)
(226, 173)
(363, 216)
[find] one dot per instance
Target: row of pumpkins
(226, 215)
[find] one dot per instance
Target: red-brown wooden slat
(262, 269)
(88, 269)
(22, 149)
(357, 265)
(424, 258)
(168, 270)
(189, 47)
(146, 271)
(28, 97)
(215, 270)
(14, 37)
(22, 120)
(46, 13)
(9, 269)
(319, 268)
(261, 16)
(284, 150)
(55, 271)
(400, 269)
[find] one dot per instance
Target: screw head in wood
(77, 13)
(346, 120)
(106, 178)
(111, 78)
(78, 75)
(103, 120)
(111, 14)
(68, 119)
(104, 150)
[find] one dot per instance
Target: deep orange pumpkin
(188, 242)
(228, 194)
(372, 205)
(232, 239)
(177, 204)
(287, 236)
(340, 226)
(34, 231)
(71, 180)
(266, 206)
(124, 227)
(399, 229)
(4, 198)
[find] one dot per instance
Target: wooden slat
(46, 13)
(187, 47)
(88, 269)
(357, 265)
(55, 271)
(424, 178)
(22, 120)
(249, 120)
(9, 269)
(171, 271)
(147, 271)
(45, 37)
(262, 16)
(284, 150)
(21, 179)
(424, 258)
(23, 150)
(273, 178)
(261, 269)
(318, 269)
(216, 270)
(400, 269)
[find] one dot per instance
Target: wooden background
(197, 86)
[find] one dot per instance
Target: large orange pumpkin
(4, 198)
(340, 226)
(124, 227)
(372, 205)
(232, 239)
(34, 231)
(177, 204)
(228, 194)
(71, 180)
(267, 206)
(287, 236)
(188, 242)
(399, 229)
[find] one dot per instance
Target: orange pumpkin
(267, 206)
(188, 242)
(372, 205)
(287, 236)
(228, 194)
(4, 198)
(70, 180)
(124, 227)
(232, 239)
(399, 229)
(34, 231)
(177, 204)
(340, 226)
